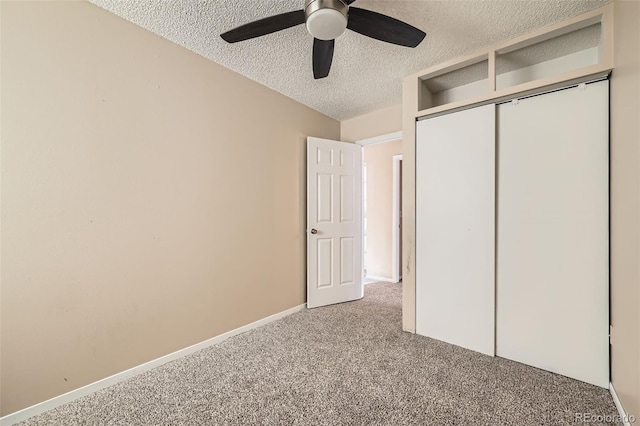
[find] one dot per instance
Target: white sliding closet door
(455, 206)
(552, 268)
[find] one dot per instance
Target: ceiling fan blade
(322, 57)
(384, 28)
(264, 26)
(348, 2)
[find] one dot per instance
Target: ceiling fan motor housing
(325, 19)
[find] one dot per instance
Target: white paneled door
(455, 216)
(334, 222)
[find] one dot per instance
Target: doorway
(382, 200)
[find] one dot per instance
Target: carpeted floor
(347, 364)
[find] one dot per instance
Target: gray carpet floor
(347, 364)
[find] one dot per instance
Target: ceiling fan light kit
(325, 21)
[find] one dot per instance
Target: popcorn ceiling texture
(366, 74)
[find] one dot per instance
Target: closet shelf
(575, 50)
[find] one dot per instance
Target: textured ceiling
(366, 74)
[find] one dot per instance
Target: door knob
(314, 231)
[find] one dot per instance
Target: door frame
(374, 140)
(396, 236)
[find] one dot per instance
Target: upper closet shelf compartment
(571, 51)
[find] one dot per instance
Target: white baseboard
(623, 415)
(377, 278)
(57, 401)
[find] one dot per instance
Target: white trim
(363, 206)
(623, 415)
(377, 278)
(396, 274)
(389, 137)
(57, 401)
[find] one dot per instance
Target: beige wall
(379, 161)
(625, 206)
(380, 122)
(151, 199)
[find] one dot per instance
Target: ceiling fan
(326, 20)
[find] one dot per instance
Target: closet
(455, 214)
(512, 230)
